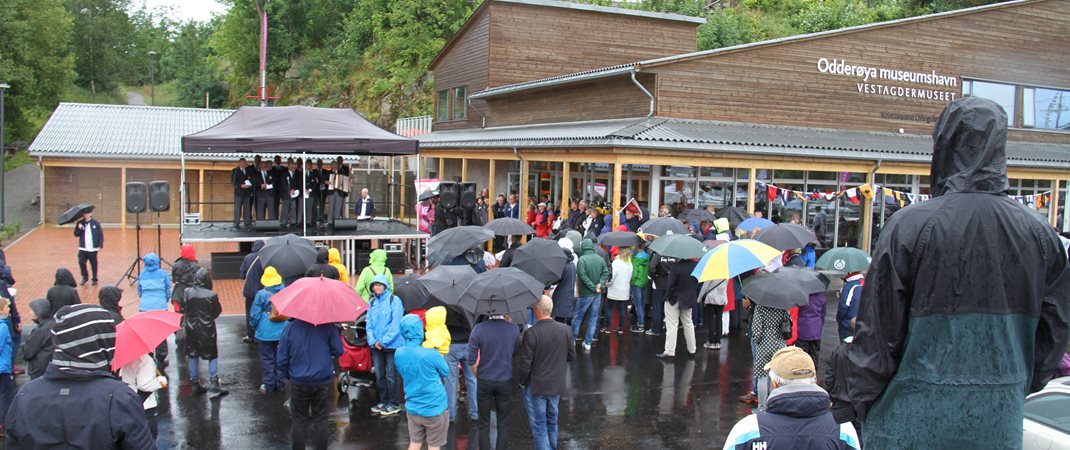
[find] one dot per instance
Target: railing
(413, 126)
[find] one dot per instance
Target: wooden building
(815, 114)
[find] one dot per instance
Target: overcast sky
(182, 10)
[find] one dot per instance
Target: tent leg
(182, 197)
(301, 198)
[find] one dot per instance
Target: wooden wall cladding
(69, 186)
(465, 65)
(781, 84)
(610, 98)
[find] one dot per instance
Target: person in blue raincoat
(154, 290)
(384, 335)
(268, 329)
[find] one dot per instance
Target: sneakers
(247, 340)
(653, 332)
(620, 330)
(198, 388)
(664, 355)
(638, 329)
(712, 345)
(389, 411)
(586, 346)
(378, 408)
(84, 281)
(263, 389)
(604, 331)
(215, 389)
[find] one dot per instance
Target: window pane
(1050, 410)
(1050, 108)
(443, 106)
(459, 104)
(999, 93)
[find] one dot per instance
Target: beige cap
(792, 363)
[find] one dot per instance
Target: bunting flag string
(868, 191)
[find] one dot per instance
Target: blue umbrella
(754, 222)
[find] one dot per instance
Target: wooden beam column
(616, 194)
(867, 215)
(490, 183)
(752, 184)
(200, 194)
(1053, 206)
(464, 169)
(566, 182)
(441, 169)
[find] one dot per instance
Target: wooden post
(441, 168)
(122, 198)
(615, 209)
(751, 185)
(522, 192)
(200, 195)
(464, 169)
(490, 183)
(867, 214)
(1053, 205)
(566, 182)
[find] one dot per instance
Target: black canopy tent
(293, 129)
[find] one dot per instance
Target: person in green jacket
(593, 275)
(640, 280)
(376, 266)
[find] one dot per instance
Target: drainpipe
(641, 88)
(483, 124)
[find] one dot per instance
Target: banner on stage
(426, 184)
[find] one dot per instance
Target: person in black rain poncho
(965, 307)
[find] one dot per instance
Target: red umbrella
(319, 300)
(141, 333)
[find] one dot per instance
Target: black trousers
(712, 319)
(91, 257)
(161, 354)
(496, 394)
(248, 307)
(313, 208)
(243, 204)
(265, 206)
(309, 405)
(812, 348)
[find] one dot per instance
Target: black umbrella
(734, 214)
(445, 246)
(428, 195)
(694, 216)
(619, 239)
(682, 246)
(664, 225)
(501, 291)
(575, 237)
(786, 236)
(288, 254)
(74, 213)
(542, 259)
(775, 290)
(508, 226)
(412, 293)
(447, 283)
(811, 281)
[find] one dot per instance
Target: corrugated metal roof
(729, 137)
(122, 131)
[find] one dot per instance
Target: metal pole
(3, 87)
(302, 199)
(263, 53)
(836, 223)
(182, 197)
(152, 77)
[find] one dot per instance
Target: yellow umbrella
(733, 258)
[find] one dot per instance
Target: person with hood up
(510, 250)
(593, 275)
(250, 272)
(376, 266)
(619, 290)
(811, 323)
(970, 269)
(107, 412)
(334, 258)
(564, 295)
(110, 297)
(422, 370)
(154, 290)
(640, 281)
(64, 292)
(202, 309)
(184, 272)
(143, 377)
(322, 267)
(306, 358)
(268, 325)
(37, 350)
(7, 353)
(437, 336)
(847, 307)
(681, 294)
(384, 335)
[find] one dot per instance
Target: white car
(1047, 417)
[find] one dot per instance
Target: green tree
(105, 43)
(35, 59)
(194, 67)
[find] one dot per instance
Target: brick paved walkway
(35, 258)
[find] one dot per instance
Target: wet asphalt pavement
(620, 396)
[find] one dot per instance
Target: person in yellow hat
(268, 325)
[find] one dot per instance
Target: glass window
(1047, 109)
(442, 106)
(1000, 93)
(1050, 410)
(459, 105)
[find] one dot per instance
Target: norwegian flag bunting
(770, 192)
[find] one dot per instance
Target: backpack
(275, 316)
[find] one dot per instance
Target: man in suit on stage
(243, 193)
(264, 184)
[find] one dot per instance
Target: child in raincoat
(376, 266)
(436, 335)
(334, 258)
(268, 330)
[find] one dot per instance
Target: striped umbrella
(733, 258)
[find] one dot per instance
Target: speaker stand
(159, 233)
(134, 271)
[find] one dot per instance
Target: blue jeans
(457, 355)
(584, 305)
(195, 366)
(622, 312)
(542, 415)
(637, 300)
(657, 296)
(270, 376)
(386, 376)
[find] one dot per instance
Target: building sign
(874, 80)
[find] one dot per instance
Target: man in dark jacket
(37, 351)
(264, 184)
(322, 267)
(306, 358)
(243, 193)
(966, 301)
(78, 403)
(109, 297)
(64, 291)
(291, 193)
(797, 411)
(201, 310)
(314, 179)
(491, 348)
(659, 276)
(681, 294)
(564, 295)
(90, 241)
(545, 351)
(251, 271)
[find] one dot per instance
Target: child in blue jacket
(7, 381)
(154, 290)
(268, 331)
(384, 335)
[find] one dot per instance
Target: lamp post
(3, 87)
(152, 77)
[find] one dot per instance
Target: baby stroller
(356, 359)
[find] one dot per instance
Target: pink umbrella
(319, 301)
(141, 333)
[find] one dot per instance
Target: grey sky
(182, 10)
